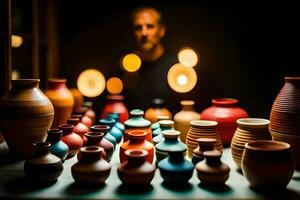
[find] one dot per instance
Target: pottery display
(118, 124)
(78, 97)
(164, 125)
(115, 104)
(58, 147)
(90, 112)
(26, 115)
(91, 168)
(175, 169)
(248, 130)
(80, 112)
(79, 128)
(204, 144)
(136, 170)
(71, 139)
(212, 171)
(62, 100)
(157, 108)
(104, 143)
(202, 129)
(137, 140)
(155, 125)
(170, 142)
(183, 118)
(137, 122)
(285, 116)
(43, 166)
(268, 164)
(225, 111)
(114, 134)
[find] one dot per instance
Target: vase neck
(54, 135)
(136, 157)
(90, 154)
(176, 157)
(213, 158)
(100, 128)
(24, 83)
(225, 102)
(66, 129)
(41, 148)
(56, 83)
(93, 138)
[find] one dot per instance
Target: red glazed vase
(225, 111)
(84, 118)
(115, 104)
(137, 140)
(79, 128)
(71, 139)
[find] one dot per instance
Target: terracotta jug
(62, 100)
(182, 118)
(115, 104)
(91, 169)
(58, 147)
(43, 166)
(136, 170)
(225, 111)
(26, 115)
(157, 108)
(71, 139)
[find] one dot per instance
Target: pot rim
(267, 145)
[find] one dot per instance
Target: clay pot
(164, 125)
(117, 124)
(285, 116)
(115, 104)
(62, 100)
(248, 130)
(212, 171)
(58, 147)
(225, 111)
(137, 122)
(155, 125)
(183, 118)
(90, 112)
(204, 144)
(81, 111)
(79, 128)
(26, 115)
(78, 97)
(43, 166)
(104, 143)
(136, 170)
(157, 108)
(91, 168)
(202, 129)
(268, 164)
(109, 136)
(137, 140)
(71, 139)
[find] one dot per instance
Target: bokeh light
(114, 85)
(188, 57)
(16, 41)
(91, 83)
(182, 79)
(131, 62)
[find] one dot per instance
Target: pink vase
(115, 104)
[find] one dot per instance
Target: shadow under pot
(268, 164)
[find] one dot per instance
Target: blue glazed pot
(164, 125)
(109, 136)
(58, 147)
(118, 124)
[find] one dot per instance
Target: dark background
(245, 50)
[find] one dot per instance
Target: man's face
(147, 29)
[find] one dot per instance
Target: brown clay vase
(43, 166)
(91, 168)
(212, 170)
(158, 108)
(62, 100)
(26, 115)
(136, 170)
(71, 139)
(204, 144)
(182, 118)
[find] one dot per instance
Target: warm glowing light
(91, 83)
(182, 79)
(131, 62)
(114, 85)
(16, 41)
(188, 57)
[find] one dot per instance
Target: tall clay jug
(26, 114)
(182, 118)
(62, 100)
(158, 108)
(115, 104)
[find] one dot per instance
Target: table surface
(15, 185)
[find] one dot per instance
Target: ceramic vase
(113, 135)
(285, 116)
(225, 111)
(58, 147)
(118, 124)
(183, 118)
(43, 166)
(202, 129)
(26, 115)
(248, 130)
(81, 111)
(164, 125)
(268, 164)
(71, 139)
(155, 125)
(115, 104)
(204, 144)
(158, 108)
(212, 171)
(91, 169)
(79, 128)
(137, 140)
(137, 122)
(136, 170)
(62, 100)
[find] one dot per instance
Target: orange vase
(157, 109)
(62, 100)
